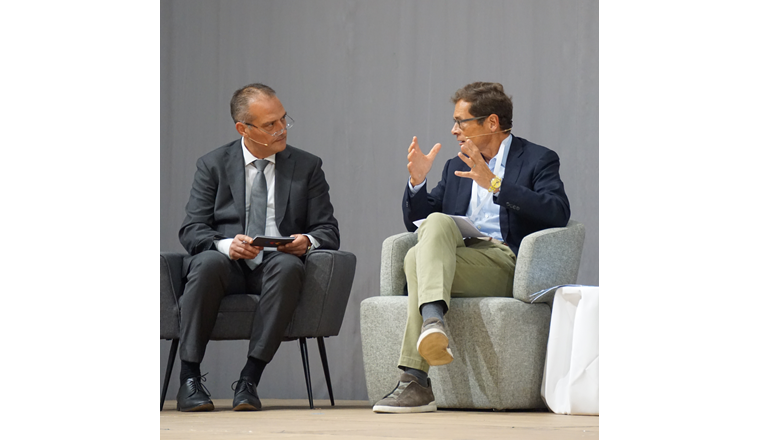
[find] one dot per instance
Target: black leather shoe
(193, 396)
(246, 397)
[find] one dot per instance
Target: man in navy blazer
(531, 197)
(508, 187)
(292, 199)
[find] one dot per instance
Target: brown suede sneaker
(408, 397)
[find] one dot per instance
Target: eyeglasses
(286, 121)
(458, 122)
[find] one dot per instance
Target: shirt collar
(248, 158)
(503, 151)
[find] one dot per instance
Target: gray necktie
(257, 212)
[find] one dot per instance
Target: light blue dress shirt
(487, 217)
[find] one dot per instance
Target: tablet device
(264, 241)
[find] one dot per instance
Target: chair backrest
(548, 258)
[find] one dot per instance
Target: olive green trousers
(442, 264)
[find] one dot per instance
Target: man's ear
(493, 123)
(240, 127)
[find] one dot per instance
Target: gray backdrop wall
(361, 78)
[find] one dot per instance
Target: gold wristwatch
(495, 185)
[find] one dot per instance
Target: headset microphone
(487, 134)
(266, 145)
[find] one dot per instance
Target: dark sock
(253, 369)
(434, 309)
(419, 375)
(188, 370)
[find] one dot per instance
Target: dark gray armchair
(327, 285)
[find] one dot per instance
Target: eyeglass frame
(288, 125)
(458, 122)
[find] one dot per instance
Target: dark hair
(486, 99)
(241, 99)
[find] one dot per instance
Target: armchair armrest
(326, 288)
(392, 277)
(171, 287)
(548, 258)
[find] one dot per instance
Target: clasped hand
(246, 251)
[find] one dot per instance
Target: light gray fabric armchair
(499, 344)
(319, 314)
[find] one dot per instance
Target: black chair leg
(168, 373)
(305, 359)
(323, 356)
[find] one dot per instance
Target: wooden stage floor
(292, 419)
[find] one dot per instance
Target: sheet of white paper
(465, 225)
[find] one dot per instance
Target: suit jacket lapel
(514, 161)
(236, 174)
(464, 192)
(283, 172)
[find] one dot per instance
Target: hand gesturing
(479, 171)
(419, 163)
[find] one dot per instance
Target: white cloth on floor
(571, 372)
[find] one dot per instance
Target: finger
(293, 244)
(242, 237)
(434, 151)
(235, 253)
(469, 148)
(472, 150)
(465, 159)
(287, 246)
(471, 145)
(474, 153)
(414, 145)
(466, 174)
(241, 251)
(291, 249)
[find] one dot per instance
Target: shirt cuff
(414, 189)
(223, 246)
(314, 242)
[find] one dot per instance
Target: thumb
(434, 151)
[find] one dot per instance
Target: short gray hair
(242, 97)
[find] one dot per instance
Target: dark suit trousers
(211, 275)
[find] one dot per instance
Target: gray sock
(433, 310)
(420, 375)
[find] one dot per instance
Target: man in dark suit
(508, 187)
(256, 185)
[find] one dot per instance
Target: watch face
(495, 184)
